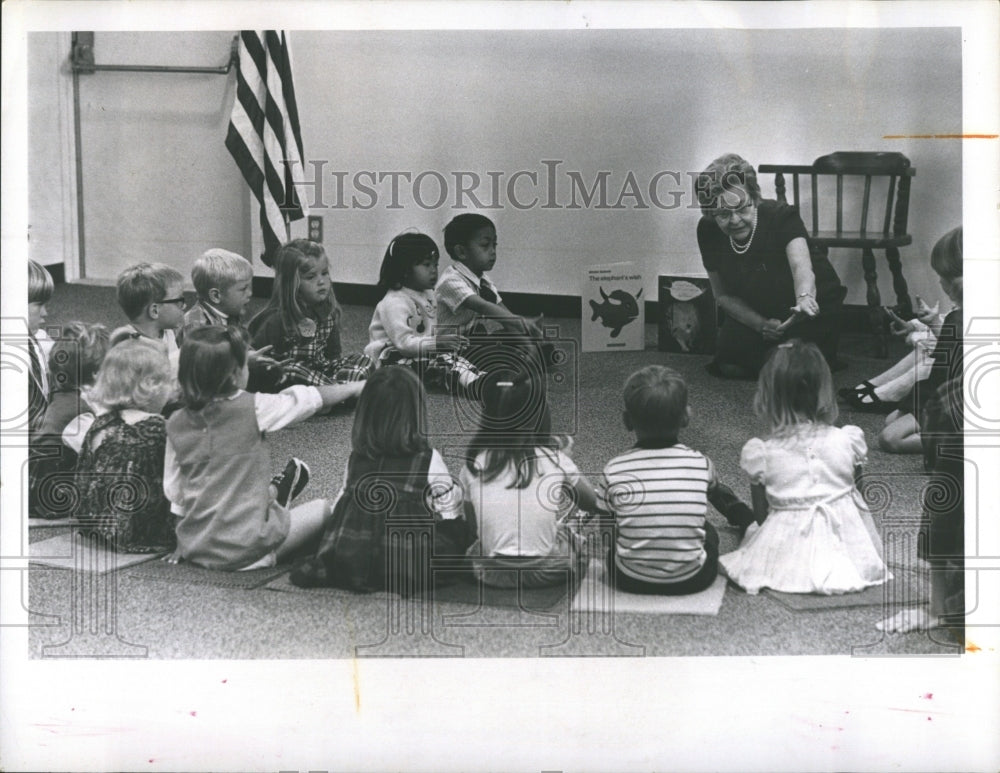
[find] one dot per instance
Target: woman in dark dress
(761, 271)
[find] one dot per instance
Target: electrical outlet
(316, 229)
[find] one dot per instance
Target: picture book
(613, 315)
(687, 317)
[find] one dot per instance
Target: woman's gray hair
(723, 174)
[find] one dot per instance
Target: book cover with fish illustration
(686, 315)
(613, 315)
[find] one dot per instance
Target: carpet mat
(465, 588)
(596, 596)
(189, 574)
(73, 551)
(455, 587)
(898, 592)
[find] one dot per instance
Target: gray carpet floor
(139, 616)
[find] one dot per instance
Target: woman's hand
(807, 305)
(803, 278)
(772, 330)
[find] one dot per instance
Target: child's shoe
(292, 480)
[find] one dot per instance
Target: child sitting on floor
(901, 433)
(74, 361)
(222, 280)
(302, 320)
(523, 487)
(469, 303)
(40, 287)
(119, 473)
(881, 393)
(217, 467)
(402, 328)
(659, 493)
(152, 297)
(392, 475)
(818, 536)
(942, 539)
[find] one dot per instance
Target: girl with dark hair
(402, 328)
(217, 467)
(74, 361)
(393, 477)
(523, 486)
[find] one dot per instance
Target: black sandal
(853, 396)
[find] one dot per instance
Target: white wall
(52, 234)
(159, 184)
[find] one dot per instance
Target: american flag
(264, 135)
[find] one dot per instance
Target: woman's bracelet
(806, 295)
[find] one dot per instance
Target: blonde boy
(223, 281)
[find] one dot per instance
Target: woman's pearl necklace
(741, 250)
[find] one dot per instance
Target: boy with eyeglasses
(152, 297)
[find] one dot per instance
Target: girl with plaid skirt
(302, 321)
(399, 506)
(402, 328)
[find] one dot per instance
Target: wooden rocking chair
(891, 170)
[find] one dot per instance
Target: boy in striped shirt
(659, 493)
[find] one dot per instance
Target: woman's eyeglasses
(724, 214)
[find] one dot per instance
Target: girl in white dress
(816, 535)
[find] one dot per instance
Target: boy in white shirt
(469, 304)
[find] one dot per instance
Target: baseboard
(856, 318)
